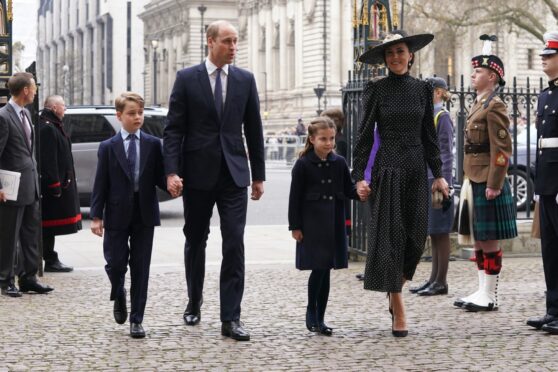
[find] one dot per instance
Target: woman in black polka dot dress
(402, 108)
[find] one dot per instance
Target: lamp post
(202, 8)
(154, 44)
(319, 90)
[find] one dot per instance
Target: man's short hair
(18, 81)
(213, 29)
(53, 100)
(120, 101)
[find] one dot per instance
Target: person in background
(440, 220)
(60, 204)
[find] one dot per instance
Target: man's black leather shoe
(57, 267)
(136, 330)
(33, 285)
(11, 291)
(120, 310)
(551, 327)
(539, 322)
(434, 289)
(234, 330)
(192, 319)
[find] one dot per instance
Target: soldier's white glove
(536, 198)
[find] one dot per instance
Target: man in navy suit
(124, 203)
(20, 219)
(205, 158)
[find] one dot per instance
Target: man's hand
(257, 190)
(363, 190)
(174, 185)
(97, 227)
(3, 196)
(441, 185)
(491, 194)
(297, 235)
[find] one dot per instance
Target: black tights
(440, 258)
(318, 292)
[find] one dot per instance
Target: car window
(88, 128)
(154, 125)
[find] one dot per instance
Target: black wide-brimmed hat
(375, 55)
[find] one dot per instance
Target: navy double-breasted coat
(319, 189)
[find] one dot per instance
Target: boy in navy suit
(124, 203)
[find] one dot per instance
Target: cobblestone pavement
(72, 328)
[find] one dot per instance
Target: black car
(522, 175)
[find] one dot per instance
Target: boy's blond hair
(120, 101)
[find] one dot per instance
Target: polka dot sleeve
(365, 139)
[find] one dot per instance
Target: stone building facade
(89, 51)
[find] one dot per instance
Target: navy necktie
(218, 94)
(132, 156)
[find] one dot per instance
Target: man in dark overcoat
(60, 203)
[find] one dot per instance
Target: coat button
(545, 107)
(327, 164)
(329, 180)
(544, 121)
(319, 165)
(331, 198)
(553, 111)
(323, 181)
(324, 197)
(550, 92)
(540, 152)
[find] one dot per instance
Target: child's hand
(297, 235)
(363, 190)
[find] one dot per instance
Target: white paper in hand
(10, 183)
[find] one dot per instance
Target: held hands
(97, 227)
(491, 194)
(441, 185)
(363, 190)
(3, 196)
(257, 190)
(297, 235)
(174, 185)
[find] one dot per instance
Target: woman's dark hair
(319, 123)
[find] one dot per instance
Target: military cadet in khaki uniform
(546, 183)
(488, 148)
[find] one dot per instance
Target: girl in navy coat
(320, 184)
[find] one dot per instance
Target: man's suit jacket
(113, 191)
(17, 156)
(196, 141)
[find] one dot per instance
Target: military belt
(547, 143)
(477, 148)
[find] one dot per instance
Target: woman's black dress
(402, 108)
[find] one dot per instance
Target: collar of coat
(315, 159)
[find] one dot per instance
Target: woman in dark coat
(402, 108)
(60, 203)
(320, 184)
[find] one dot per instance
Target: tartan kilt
(493, 219)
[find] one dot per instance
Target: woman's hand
(441, 185)
(297, 235)
(363, 190)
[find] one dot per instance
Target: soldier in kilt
(488, 148)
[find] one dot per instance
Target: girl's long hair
(319, 123)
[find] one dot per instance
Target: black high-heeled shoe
(394, 332)
(311, 322)
(324, 329)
